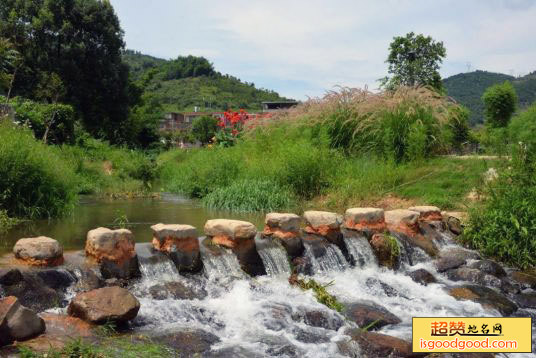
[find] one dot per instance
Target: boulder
(474, 276)
(176, 290)
(457, 251)
(454, 225)
(525, 278)
(322, 222)
(108, 304)
(445, 263)
(240, 237)
(428, 213)
(368, 220)
(386, 250)
(115, 251)
(369, 315)
(10, 277)
(188, 342)
(60, 331)
(285, 228)
(18, 323)
(402, 220)
(34, 293)
(374, 344)
(39, 251)
(489, 267)
(318, 318)
(422, 276)
(526, 300)
(487, 297)
(181, 243)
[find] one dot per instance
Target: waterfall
(360, 251)
(224, 264)
(331, 259)
(154, 265)
(274, 257)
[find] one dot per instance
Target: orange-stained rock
(401, 220)
(282, 225)
(428, 213)
(365, 219)
(321, 222)
(39, 251)
(181, 243)
(114, 250)
(374, 344)
(229, 232)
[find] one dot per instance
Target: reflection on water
(142, 213)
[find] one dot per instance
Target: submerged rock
(114, 250)
(319, 318)
(176, 290)
(18, 323)
(34, 293)
(181, 243)
(489, 267)
(369, 315)
(422, 276)
(39, 251)
(108, 304)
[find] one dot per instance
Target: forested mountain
(467, 89)
(188, 81)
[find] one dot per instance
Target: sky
(303, 48)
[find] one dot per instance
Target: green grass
(321, 294)
(139, 347)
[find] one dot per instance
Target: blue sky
(302, 48)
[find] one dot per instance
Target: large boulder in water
(422, 276)
(386, 250)
(115, 251)
(487, 297)
(181, 243)
(18, 323)
(108, 304)
(39, 251)
(285, 228)
(366, 220)
(239, 236)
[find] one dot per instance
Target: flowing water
(265, 316)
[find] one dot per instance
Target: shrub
(500, 103)
(505, 226)
(522, 128)
(457, 128)
(250, 195)
(204, 128)
(36, 182)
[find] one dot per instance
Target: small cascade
(331, 259)
(274, 257)
(405, 254)
(155, 266)
(360, 251)
(222, 264)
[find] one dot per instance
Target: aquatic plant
(320, 292)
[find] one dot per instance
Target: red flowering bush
(232, 125)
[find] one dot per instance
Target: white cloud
(303, 47)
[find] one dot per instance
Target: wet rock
(422, 276)
(285, 228)
(229, 233)
(108, 304)
(33, 293)
(320, 319)
(311, 335)
(369, 315)
(445, 263)
(433, 230)
(234, 352)
(416, 240)
(526, 300)
(181, 243)
(39, 251)
(322, 222)
(60, 331)
(114, 250)
(10, 277)
(366, 220)
(454, 225)
(386, 250)
(457, 251)
(525, 278)
(389, 291)
(249, 259)
(18, 323)
(87, 280)
(188, 342)
(489, 267)
(116, 282)
(176, 290)
(475, 276)
(428, 213)
(375, 345)
(487, 297)
(56, 279)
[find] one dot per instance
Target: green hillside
(188, 81)
(467, 89)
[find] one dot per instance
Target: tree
(414, 61)
(500, 103)
(204, 128)
(9, 61)
(81, 41)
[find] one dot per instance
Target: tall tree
(414, 60)
(81, 41)
(9, 61)
(500, 102)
